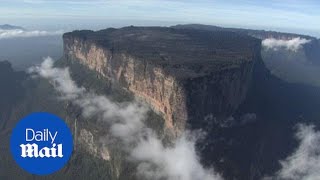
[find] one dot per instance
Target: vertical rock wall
(216, 94)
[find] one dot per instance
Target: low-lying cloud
(19, 33)
(292, 44)
(178, 161)
(304, 162)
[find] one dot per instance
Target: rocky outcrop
(185, 75)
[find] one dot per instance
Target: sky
(299, 16)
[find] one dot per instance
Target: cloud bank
(126, 120)
(19, 33)
(304, 162)
(293, 44)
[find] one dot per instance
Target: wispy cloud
(292, 44)
(304, 162)
(18, 33)
(126, 121)
(83, 2)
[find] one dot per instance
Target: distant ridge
(10, 27)
(261, 34)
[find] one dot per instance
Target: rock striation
(187, 76)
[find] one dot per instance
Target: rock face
(185, 75)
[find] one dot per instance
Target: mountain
(297, 65)
(311, 49)
(213, 81)
(175, 71)
(10, 27)
(210, 80)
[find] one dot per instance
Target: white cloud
(126, 120)
(60, 77)
(173, 163)
(18, 33)
(304, 163)
(292, 44)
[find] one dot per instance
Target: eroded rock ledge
(187, 76)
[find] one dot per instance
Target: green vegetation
(27, 95)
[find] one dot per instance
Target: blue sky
(302, 16)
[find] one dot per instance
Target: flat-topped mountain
(215, 81)
(185, 75)
(181, 53)
(210, 80)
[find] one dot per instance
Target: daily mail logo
(41, 143)
(32, 150)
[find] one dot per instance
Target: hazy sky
(301, 16)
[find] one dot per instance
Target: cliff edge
(187, 76)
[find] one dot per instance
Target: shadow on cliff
(252, 149)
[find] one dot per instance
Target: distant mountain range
(10, 27)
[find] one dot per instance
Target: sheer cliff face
(145, 81)
(213, 98)
(180, 74)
